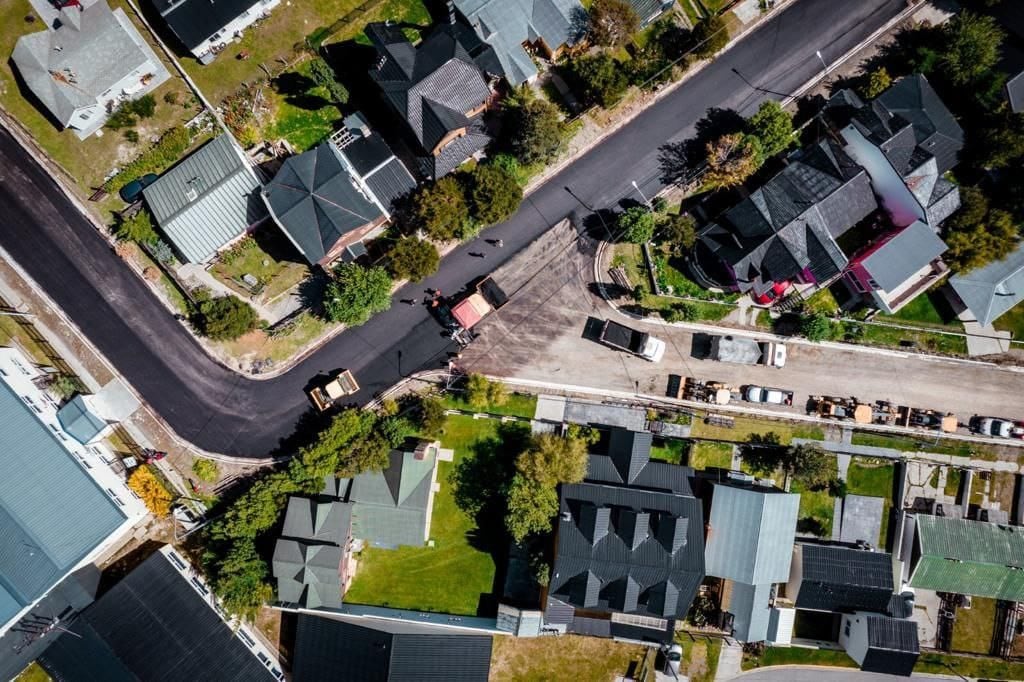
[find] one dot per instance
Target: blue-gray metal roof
(79, 422)
(317, 202)
(903, 255)
(751, 534)
(990, 291)
(207, 200)
(52, 513)
(390, 506)
(751, 614)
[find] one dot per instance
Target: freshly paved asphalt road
(221, 411)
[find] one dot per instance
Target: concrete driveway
(539, 336)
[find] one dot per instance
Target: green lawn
(670, 450)
(777, 655)
(706, 454)
(822, 301)
(1012, 321)
(275, 38)
(952, 486)
(972, 630)
(700, 657)
(894, 337)
(303, 115)
(909, 444)
(449, 577)
(568, 658)
(669, 275)
(983, 668)
(518, 405)
(816, 510)
(267, 256)
(874, 479)
(921, 310)
(744, 427)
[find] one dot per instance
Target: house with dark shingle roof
(88, 64)
(159, 622)
(328, 199)
(205, 28)
(439, 88)
(991, 291)
(331, 648)
(514, 28)
(629, 555)
(840, 579)
(311, 557)
(785, 231)
(749, 545)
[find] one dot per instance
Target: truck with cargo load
(638, 343)
(748, 351)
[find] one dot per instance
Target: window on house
(846, 630)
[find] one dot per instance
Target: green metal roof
(970, 557)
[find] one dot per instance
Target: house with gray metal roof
(514, 28)
(81, 422)
(84, 67)
(630, 546)
(210, 199)
(205, 28)
(750, 545)
(439, 89)
(648, 11)
(312, 555)
(393, 507)
(898, 267)
(61, 505)
(967, 557)
(993, 290)
(328, 199)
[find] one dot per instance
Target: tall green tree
(441, 209)
(324, 76)
(356, 293)
(496, 194)
(241, 580)
(710, 36)
(535, 131)
(552, 459)
(531, 507)
(878, 82)
(971, 47)
(773, 126)
(602, 78)
(612, 22)
(320, 458)
(413, 259)
(636, 224)
(680, 231)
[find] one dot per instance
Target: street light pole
(650, 207)
(824, 65)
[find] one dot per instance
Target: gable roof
(310, 519)
(910, 250)
(1015, 93)
(791, 222)
(52, 513)
(750, 610)
(79, 422)
(913, 100)
(431, 86)
(207, 200)
(72, 66)
(378, 650)
(391, 506)
(316, 201)
(372, 161)
(970, 557)
(508, 24)
(629, 463)
(309, 558)
(992, 290)
(195, 21)
(152, 625)
(843, 579)
(751, 534)
(626, 550)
